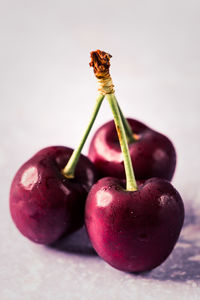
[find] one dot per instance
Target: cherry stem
(131, 184)
(127, 127)
(69, 169)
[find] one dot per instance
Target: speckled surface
(47, 92)
(71, 269)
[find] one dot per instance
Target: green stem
(127, 127)
(131, 184)
(69, 169)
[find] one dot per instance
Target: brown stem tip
(100, 61)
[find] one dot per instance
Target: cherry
(134, 231)
(152, 153)
(44, 204)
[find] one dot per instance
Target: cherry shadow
(76, 243)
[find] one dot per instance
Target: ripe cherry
(44, 204)
(134, 230)
(152, 153)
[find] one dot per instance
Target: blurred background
(48, 90)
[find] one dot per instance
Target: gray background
(47, 93)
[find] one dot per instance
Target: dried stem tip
(100, 61)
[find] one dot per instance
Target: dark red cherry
(134, 231)
(44, 204)
(152, 154)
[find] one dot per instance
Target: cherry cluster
(121, 191)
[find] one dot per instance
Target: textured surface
(47, 92)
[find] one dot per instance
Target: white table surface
(47, 93)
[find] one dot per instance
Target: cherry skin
(134, 231)
(152, 154)
(44, 204)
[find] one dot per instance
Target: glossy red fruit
(152, 154)
(134, 231)
(44, 204)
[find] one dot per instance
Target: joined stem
(69, 169)
(131, 184)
